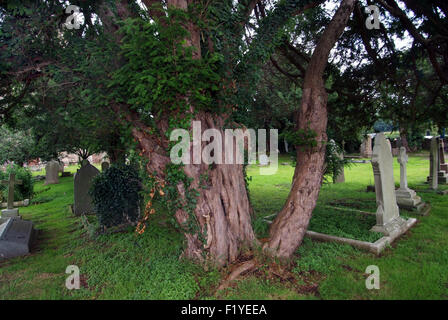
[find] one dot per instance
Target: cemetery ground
(126, 266)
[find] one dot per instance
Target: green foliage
(334, 161)
(302, 138)
(116, 195)
(16, 146)
(21, 191)
(174, 201)
(160, 70)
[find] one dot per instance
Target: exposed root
(242, 268)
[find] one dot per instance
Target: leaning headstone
(16, 237)
(104, 166)
(52, 172)
(433, 178)
(82, 182)
(388, 220)
(366, 147)
(408, 198)
(10, 211)
(443, 165)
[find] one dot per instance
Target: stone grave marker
(52, 172)
(10, 211)
(16, 238)
(443, 176)
(264, 160)
(433, 177)
(82, 182)
(443, 164)
(388, 220)
(104, 166)
(366, 147)
(408, 198)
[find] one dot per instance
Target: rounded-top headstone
(82, 182)
(52, 172)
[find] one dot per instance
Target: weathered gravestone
(16, 238)
(83, 180)
(408, 198)
(104, 166)
(388, 220)
(443, 165)
(433, 178)
(264, 160)
(52, 172)
(10, 211)
(366, 147)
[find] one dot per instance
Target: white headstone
(433, 178)
(264, 160)
(406, 198)
(388, 220)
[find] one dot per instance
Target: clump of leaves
(21, 191)
(116, 195)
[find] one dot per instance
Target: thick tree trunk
(289, 227)
(223, 210)
(291, 223)
(404, 140)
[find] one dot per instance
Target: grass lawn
(123, 266)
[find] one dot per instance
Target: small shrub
(21, 191)
(116, 195)
(334, 163)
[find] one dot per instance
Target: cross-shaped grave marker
(10, 183)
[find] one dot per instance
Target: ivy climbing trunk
(219, 226)
(290, 225)
(223, 209)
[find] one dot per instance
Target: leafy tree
(16, 146)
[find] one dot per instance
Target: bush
(116, 195)
(21, 191)
(334, 163)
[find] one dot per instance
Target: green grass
(123, 266)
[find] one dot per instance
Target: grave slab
(16, 238)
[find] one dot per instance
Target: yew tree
(162, 65)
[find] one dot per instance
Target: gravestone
(443, 165)
(52, 172)
(10, 211)
(104, 166)
(443, 176)
(16, 238)
(388, 220)
(366, 147)
(433, 178)
(395, 152)
(264, 160)
(408, 198)
(82, 182)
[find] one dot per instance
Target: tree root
(242, 268)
